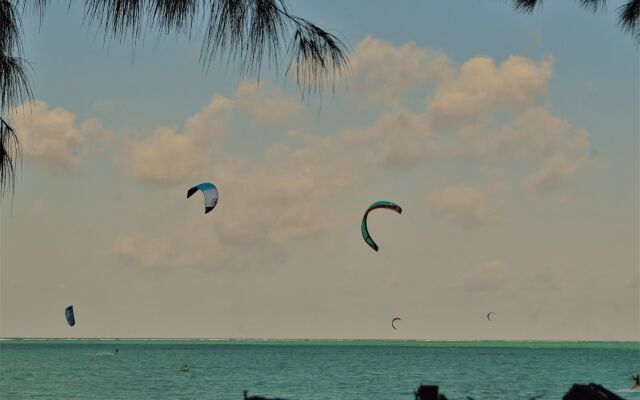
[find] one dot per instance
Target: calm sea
(312, 370)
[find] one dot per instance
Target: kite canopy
(489, 315)
(393, 322)
(378, 204)
(210, 193)
(68, 313)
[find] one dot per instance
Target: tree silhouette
(249, 33)
(628, 13)
(14, 88)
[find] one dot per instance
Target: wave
(102, 353)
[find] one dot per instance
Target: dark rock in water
(590, 392)
(247, 397)
(261, 398)
(428, 392)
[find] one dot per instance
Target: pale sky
(510, 141)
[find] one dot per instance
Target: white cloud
(265, 103)
(555, 172)
(482, 109)
(381, 72)
(480, 88)
(534, 134)
(266, 203)
(465, 205)
(52, 138)
(192, 244)
(399, 138)
(498, 112)
(558, 150)
(170, 156)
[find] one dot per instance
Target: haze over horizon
(510, 141)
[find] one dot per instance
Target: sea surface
(308, 369)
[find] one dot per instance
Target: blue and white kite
(210, 193)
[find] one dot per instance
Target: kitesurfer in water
(184, 368)
(636, 381)
(116, 352)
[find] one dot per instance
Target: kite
(210, 193)
(378, 204)
(68, 313)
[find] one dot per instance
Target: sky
(510, 141)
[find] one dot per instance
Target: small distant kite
(393, 321)
(489, 315)
(68, 313)
(379, 204)
(210, 193)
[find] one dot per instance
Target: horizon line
(328, 339)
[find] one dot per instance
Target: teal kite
(210, 193)
(378, 204)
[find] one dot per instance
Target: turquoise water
(313, 370)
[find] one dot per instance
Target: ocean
(308, 369)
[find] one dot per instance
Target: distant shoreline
(542, 344)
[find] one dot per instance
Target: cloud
(285, 194)
(265, 103)
(497, 112)
(169, 156)
(465, 205)
(532, 134)
(52, 138)
(190, 245)
(382, 72)
(266, 201)
(481, 87)
(559, 151)
(280, 196)
(555, 172)
(482, 109)
(399, 138)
